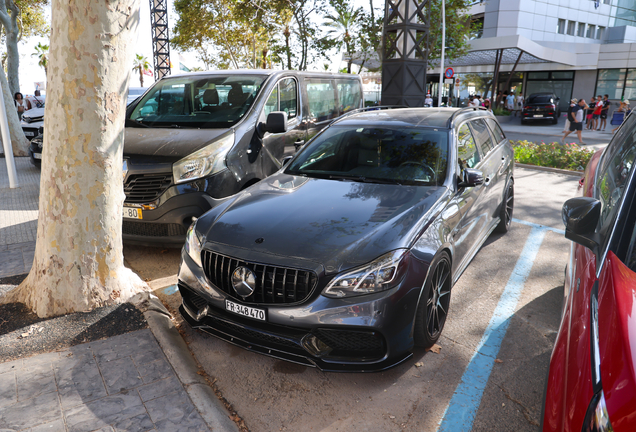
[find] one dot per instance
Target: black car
(35, 147)
(345, 258)
(541, 106)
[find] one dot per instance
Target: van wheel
(433, 307)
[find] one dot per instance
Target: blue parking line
(534, 225)
(462, 408)
(172, 289)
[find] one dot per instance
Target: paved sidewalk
(123, 383)
(18, 217)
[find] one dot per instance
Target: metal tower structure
(160, 42)
(405, 53)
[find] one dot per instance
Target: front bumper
(367, 333)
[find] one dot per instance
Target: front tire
(433, 307)
(506, 208)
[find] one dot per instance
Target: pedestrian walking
(20, 104)
(589, 113)
(487, 104)
(604, 112)
(596, 114)
(510, 102)
(576, 120)
(566, 127)
(520, 101)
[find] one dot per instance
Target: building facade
(574, 48)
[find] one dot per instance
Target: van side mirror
(471, 178)
(276, 122)
(581, 216)
(286, 160)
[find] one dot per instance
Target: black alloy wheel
(505, 211)
(433, 307)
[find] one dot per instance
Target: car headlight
(194, 244)
(208, 160)
(380, 275)
(596, 418)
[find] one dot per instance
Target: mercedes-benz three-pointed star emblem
(244, 281)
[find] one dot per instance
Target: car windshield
(540, 99)
(197, 102)
(414, 156)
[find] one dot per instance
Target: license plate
(26, 133)
(37, 155)
(246, 311)
(132, 213)
(538, 115)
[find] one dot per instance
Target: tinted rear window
(541, 99)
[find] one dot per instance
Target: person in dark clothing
(604, 111)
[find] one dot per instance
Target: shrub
(501, 112)
(555, 155)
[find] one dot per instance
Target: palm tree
(42, 52)
(342, 30)
(141, 65)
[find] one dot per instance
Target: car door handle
(487, 180)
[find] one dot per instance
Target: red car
(592, 379)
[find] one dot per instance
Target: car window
(416, 156)
(289, 97)
(540, 99)
(349, 94)
(496, 130)
(272, 102)
(466, 148)
(482, 136)
(614, 170)
(322, 99)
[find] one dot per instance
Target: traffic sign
(449, 72)
(456, 81)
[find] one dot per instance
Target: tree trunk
(19, 143)
(78, 262)
(141, 77)
(10, 24)
(287, 33)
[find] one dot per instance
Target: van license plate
(538, 115)
(246, 311)
(132, 213)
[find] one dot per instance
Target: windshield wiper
(364, 179)
(135, 123)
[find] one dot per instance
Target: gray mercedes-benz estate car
(195, 138)
(345, 258)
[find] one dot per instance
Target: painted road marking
(462, 408)
(172, 289)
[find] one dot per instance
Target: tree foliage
(458, 29)
(42, 53)
(141, 65)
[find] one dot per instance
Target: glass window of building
(611, 82)
(600, 32)
(591, 31)
(571, 27)
(581, 31)
(561, 26)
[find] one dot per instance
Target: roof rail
(458, 112)
(371, 108)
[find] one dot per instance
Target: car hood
(32, 115)
(167, 142)
(338, 224)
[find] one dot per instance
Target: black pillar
(160, 41)
(405, 53)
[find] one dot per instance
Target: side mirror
(276, 122)
(581, 216)
(471, 178)
(286, 160)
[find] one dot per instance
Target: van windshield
(197, 102)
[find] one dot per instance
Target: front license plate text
(132, 213)
(250, 312)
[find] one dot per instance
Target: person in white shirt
(429, 100)
(510, 102)
(520, 101)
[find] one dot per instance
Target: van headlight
(194, 244)
(209, 160)
(379, 275)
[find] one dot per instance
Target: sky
(30, 72)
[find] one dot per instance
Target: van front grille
(143, 188)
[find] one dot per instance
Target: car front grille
(352, 343)
(273, 284)
(147, 229)
(143, 188)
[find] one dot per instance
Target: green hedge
(555, 155)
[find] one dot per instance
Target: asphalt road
(430, 389)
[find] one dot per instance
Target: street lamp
(441, 64)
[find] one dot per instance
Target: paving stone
(74, 357)
(34, 383)
(120, 375)
(104, 412)
(175, 413)
(140, 423)
(41, 362)
(80, 385)
(11, 366)
(156, 370)
(148, 356)
(160, 388)
(124, 345)
(32, 412)
(55, 426)
(8, 389)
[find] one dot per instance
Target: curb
(549, 169)
(184, 365)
